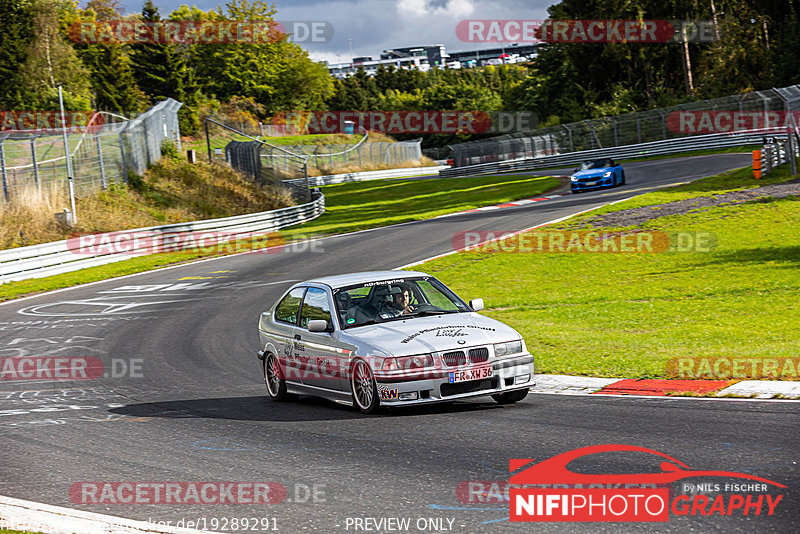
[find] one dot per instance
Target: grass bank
(350, 207)
(629, 314)
(171, 191)
(360, 205)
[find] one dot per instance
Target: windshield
(596, 164)
(393, 300)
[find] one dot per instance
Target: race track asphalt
(196, 408)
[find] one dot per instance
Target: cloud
(368, 27)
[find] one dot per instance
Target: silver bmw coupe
(388, 338)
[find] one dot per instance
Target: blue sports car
(596, 174)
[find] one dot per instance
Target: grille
(458, 388)
(454, 359)
(479, 355)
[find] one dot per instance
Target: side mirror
(476, 304)
(318, 325)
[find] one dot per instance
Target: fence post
(571, 143)
(616, 138)
(639, 129)
(147, 158)
(103, 183)
(122, 156)
(35, 165)
(790, 149)
(3, 170)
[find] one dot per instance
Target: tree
(51, 61)
(164, 70)
(14, 41)
(112, 79)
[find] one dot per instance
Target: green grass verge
(350, 207)
(686, 154)
(689, 153)
(627, 315)
(360, 205)
(735, 180)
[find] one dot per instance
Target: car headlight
(606, 175)
(406, 363)
(573, 178)
(511, 347)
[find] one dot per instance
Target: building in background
(426, 57)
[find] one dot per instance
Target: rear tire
(623, 178)
(364, 388)
(511, 397)
(273, 378)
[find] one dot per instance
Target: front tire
(364, 389)
(511, 397)
(273, 377)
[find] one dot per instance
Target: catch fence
(101, 152)
(622, 130)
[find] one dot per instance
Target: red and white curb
(584, 385)
(512, 204)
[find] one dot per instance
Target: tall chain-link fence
(621, 130)
(336, 158)
(100, 154)
(281, 160)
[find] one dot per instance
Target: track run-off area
(181, 398)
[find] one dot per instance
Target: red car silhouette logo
(554, 470)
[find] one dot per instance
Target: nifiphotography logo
(639, 497)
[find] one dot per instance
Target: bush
(169, 150)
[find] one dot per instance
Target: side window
(315, 306)
(289, 307)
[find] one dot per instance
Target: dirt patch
(638, 216)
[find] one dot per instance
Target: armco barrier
(38, 261)
(317, 181)
(655, 148)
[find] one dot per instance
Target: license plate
(470, 374)
(590, 183)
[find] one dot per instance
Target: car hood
(428, 334)
(592, 172)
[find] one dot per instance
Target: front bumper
(599, 182)
(508, 374)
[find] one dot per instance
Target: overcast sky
(375, 25)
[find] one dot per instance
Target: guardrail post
(3, 170)
(791, 154)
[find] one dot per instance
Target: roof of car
(342, 280)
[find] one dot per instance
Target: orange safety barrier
(757, 164)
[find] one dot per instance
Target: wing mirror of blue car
(476, 304)
(318, 325)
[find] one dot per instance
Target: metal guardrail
(331, 179)
(655, 148)
(59, 257)
(776, 152)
